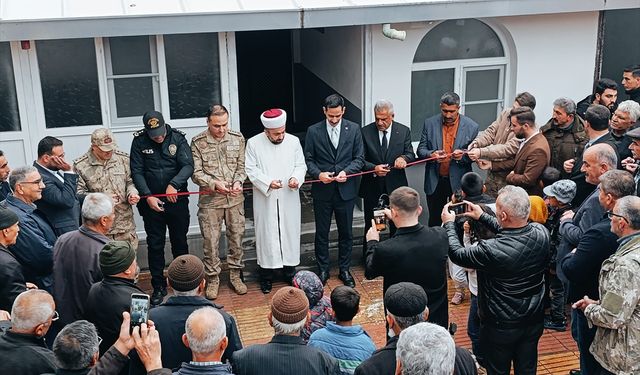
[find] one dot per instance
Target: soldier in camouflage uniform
(105, 169)
(218, 156)
(617, 315)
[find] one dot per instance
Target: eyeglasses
(55, 316)
(31, 182)
(99, 340)
(611, 214)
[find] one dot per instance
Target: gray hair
(426, 348)
(30, 309)
(604, 154)
(75, 345)
(406, 322)
(618, 183)
(515, 201)
(212, 330)
(384, 105)
(629, 207)
(19, 174)
(95, 206)
(450, 98)
(568, 105)
(287, 328)
(632, 108)
(188, 293)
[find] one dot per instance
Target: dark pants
(343, 211)
(437, 200)
(473, 329)
(370, 202)
(583, 335)
(556, 297)
(266, 274)
(176, 218)
(501, 346)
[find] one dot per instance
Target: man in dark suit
(4, 177)
(58, 203)
(333, 149)
(532, 157)
(387, 150)
(448, 133)
(415, 253)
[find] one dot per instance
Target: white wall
(335, 56)
(554, 55)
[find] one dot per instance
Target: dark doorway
(621, 30)
(265, 76)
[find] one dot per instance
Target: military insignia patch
(173, 149)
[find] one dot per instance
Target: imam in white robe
(276, 212)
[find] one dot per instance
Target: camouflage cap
(103, 138)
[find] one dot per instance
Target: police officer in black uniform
(161, 163)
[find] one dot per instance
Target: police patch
(173, 149)
(147, 151)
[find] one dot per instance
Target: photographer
(415, 253)
(511, 280)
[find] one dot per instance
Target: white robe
(276, 212)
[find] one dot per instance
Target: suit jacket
(399, 145)
(322, 157)
(583, 188)
(284, 355)
(4, 190)
(59, 204)
(417, 254)
(528, 165)
(431, 140)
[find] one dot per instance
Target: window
(69, 81)
(9, 116)
(465, 56)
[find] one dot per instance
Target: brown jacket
(497, 142)
(565, 144)
(528, 165)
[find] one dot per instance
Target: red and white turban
(273, 118)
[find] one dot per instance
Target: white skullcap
(273, 118)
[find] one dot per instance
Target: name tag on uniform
(147, 151)
(233, 148)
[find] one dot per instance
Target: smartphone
(139, 310)
(458, 208)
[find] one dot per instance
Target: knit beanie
(289, 305)
(185, 273)
(116, 257)
(7, 218)
(539, 212)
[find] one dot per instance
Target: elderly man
(565, 133)
(34, 246)
(631, 82)
(75, 257)
(512, 266)
(4, 176)
(445, 136)
(415, 253)
(532, 157)
(286, 354)
(276, 167)
(617, 313)
(218, 156)
(205, 337)
(497, 143)
(22, 348)
(623, 120)
(120, 269)
(105, 169)
(11, 278)
(582, 265)
(387, 150)
(425, 348)
(605, 93)
(58, 204)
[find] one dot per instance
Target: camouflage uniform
(617, 342)
(221, 160)
(112, 177)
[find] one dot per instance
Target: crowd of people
(555, 223)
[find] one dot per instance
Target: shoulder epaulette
(235, 133)
(122, 153)
(178, 131)
(138, 133)
(81, 158)
(200, 136)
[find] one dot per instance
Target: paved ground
(557, 350)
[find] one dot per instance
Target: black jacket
(25, 355)
(416, 254)
(284, 355)
(510, 269)
(634, 95)
(154, 166)
(582, 268)
(105, 303)
(11, 279)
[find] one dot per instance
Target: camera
(459, 208)
(379, 216)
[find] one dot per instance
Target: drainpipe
(393, 33)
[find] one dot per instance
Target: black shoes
(324, 276)
(265, 286)
(158, 296)
(347, 279)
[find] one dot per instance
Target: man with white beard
(274, 163)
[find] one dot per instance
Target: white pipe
(393, 33)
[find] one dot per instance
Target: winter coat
(349, 345)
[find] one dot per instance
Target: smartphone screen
(458, 208)
(139, 309)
